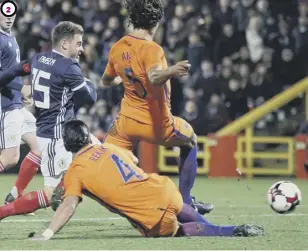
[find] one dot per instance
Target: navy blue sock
(187, 172)
(194, 224)
(202, 229)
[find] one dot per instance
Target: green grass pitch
(235, 203)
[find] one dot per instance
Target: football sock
(194, 224)
(2, 169)
(202, 229)
(28, 169)
(28, 203)
(187, 171)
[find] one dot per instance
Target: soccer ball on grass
(283, 197)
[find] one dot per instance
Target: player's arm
(64, 213)
(108, 81)
(83, 88)
(158, 76)
(153, 57)
(19, 70)
(86, 95)
(110, 78)
(127, 152)
(27, 95)
(73, 195)
(131, 156)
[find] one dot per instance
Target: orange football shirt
(131, 58)
(109, 175)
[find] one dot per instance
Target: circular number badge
(8, 8)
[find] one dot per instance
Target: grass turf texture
(235, 203)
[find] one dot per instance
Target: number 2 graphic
(8, 8)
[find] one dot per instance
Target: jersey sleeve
(110, 71)
(74, 77)
(72, 183)
(153, 55)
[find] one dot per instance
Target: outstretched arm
(108, 81)
(63, 215)
(110, 77)
(158, 76)
(83, 88)
(18, 70)
(85, 94)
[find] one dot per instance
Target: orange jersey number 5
(140, 90)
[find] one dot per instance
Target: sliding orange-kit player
(140, 65)
(150, 202)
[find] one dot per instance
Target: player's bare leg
(187, 175)
(27, 203)
(28, 168)
(9, 158)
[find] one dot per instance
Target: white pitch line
(119, 218)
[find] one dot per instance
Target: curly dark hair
(144, 14)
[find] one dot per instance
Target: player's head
(67, 39)
(144, 14)
(6, 23)
(75, 135)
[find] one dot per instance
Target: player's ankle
(16, 192)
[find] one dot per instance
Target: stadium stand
(242, 53)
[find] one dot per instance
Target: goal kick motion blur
(150, 202)
(145, 109)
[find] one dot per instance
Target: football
(283, 197)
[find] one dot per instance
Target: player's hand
(117, 80)
(37, 237)
(180, 69)
(27, 101)
(24, 68)
(135, 160)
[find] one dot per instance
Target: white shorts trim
(13, 125)
(55, 160)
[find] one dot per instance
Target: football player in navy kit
(58, 88)
(16, 122)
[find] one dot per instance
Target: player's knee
(57, 196)
(185, 150)
(194, 140)
(31, 141)
(10, 157)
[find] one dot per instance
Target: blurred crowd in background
(242, 53)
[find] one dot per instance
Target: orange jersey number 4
(125, 170)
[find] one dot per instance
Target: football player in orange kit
(140, 64)
(151, 203)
